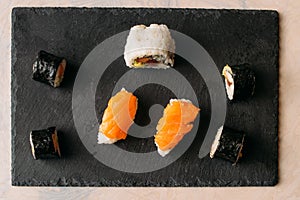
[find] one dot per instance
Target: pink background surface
(289, 111)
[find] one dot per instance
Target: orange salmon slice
(119, 115)
(176, 122)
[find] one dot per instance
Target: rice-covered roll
(117, 117)
(149, 47)
(228, 144)
(239, 81)
(44, 143)
(177, 121)
(49, 68)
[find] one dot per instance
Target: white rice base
(161, 152)
(216, 142)
(32, 146)
(144, 41)
(102, 139)
(176, 100)
(229, 89)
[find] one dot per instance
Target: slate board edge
(106, 183)
(13, 98)
(277, 99)
(275, 12)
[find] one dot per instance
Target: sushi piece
(44, 143)
(149, 47)
(228, 144)
(117, 117)
(49, 68)
(176, 122)
(239, 81)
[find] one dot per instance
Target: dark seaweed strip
(45, 67)
(230, 145)
(43, 144)
(244, 81)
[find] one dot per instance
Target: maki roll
(149, 47)
(44, 143)
(177, 121)
(239, 81)
(49, 68)
(228, 144)
(117, 117)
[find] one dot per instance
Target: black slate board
(229, 36)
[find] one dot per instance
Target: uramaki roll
(149, 47)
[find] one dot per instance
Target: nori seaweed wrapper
(44, 143)
(45, 68)
(244, 81)
(230, 145)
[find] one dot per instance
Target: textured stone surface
(230, 36)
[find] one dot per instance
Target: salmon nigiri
(117, 117)
(177, 121)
